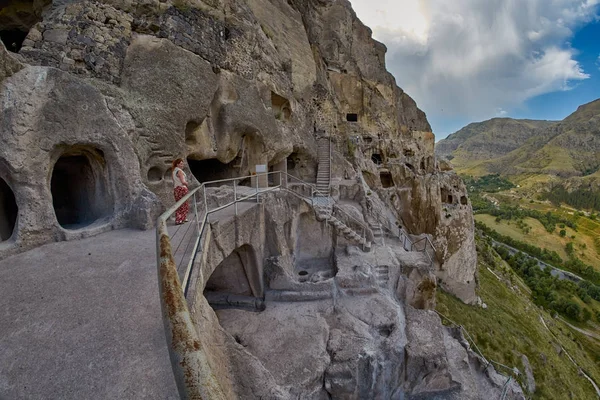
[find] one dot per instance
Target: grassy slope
(511, 326)
(539, 237)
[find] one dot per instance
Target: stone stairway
(324, 167)
(382, 275)
(378, 234)
(323, 210)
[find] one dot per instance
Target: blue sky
(471, 60)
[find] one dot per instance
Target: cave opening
(352, 117)
(386, 179)
(377, 159)
(16, 19)
(229, 286)
(13, 39)
(79, 189)
(8, 211)
(281, 107)
(212, 169)
(463, 200)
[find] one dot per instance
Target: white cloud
(473, 58)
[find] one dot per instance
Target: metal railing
(176, 259)
(487, 362)
(427, 248)
(192, 372)
(423, 245)
(351, 222)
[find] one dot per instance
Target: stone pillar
(280, 179)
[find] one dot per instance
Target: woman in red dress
(180, 189)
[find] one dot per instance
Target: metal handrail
(330, 164)
(347, 215)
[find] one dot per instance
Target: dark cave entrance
(13, 39)
(79, 188)
(377, 159)
(8, 211)
(16, 19)
(213, 169)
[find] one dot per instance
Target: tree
(569, 248)
(562, 233)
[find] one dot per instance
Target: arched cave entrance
(16, 19)
(8, 211)
(79, 188)
(213, 169)
(230, 285)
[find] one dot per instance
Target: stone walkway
(82, 320)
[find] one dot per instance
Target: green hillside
(533, 154)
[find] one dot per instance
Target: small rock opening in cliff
(386, 179)
(230, 285)
(213, 169)
(446, 196)
(8, 211)
(16, 19)
(79, 188)
(463, 200)
(377, 159)
(13, 39)
(281, 107)
(352, 117)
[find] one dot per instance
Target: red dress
(180, 191)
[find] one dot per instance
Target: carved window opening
(367, 139)
(463, 200)
(446, 196)
(281, 107)
(386, 179)
(8, 211)
(352, 117)
(155, 174)
(79, 188)
(377, 159)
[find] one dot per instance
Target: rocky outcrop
(336, 322)
(228, 86)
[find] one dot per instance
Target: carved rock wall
(239, 83)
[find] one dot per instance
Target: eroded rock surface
(103, 95)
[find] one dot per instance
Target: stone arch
(237, 274)
(8, 211)
(79, 187)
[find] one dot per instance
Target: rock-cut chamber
(79, 189)
(8, 211)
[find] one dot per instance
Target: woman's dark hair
(175, 162)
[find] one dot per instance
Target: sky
(471, 60)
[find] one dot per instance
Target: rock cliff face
(98, 97)
(227, 85)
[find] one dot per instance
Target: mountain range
(530, 152)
